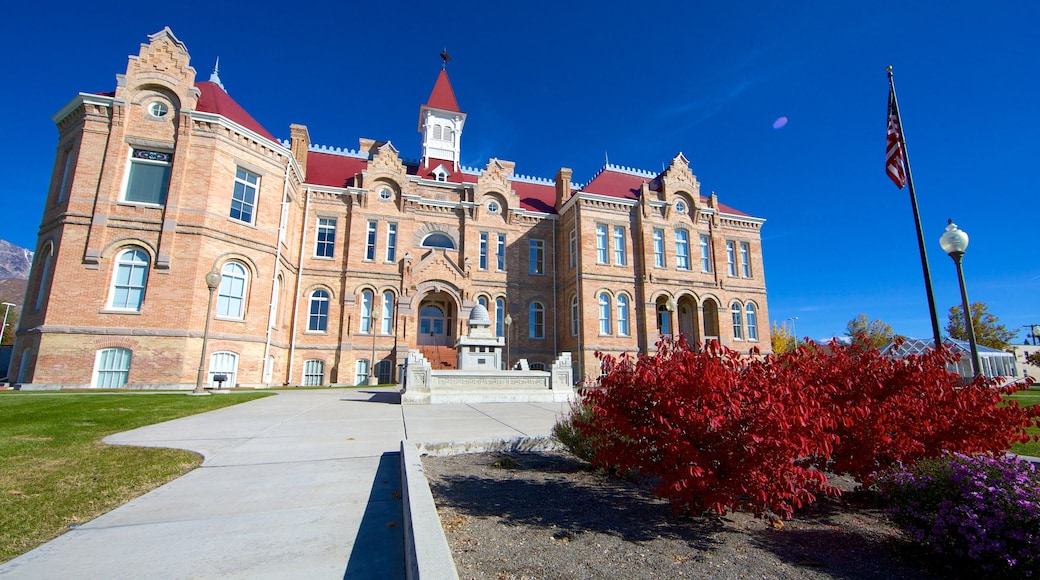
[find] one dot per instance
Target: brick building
(333, 258)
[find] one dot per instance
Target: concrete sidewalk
(305, 484)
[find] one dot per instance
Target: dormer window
(441, 174)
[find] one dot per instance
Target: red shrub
(722, 431)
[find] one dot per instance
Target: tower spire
(215, 76)
(444, 58)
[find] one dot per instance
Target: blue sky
(551, 84)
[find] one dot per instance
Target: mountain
(14, 261)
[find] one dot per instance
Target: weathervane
(445, 58)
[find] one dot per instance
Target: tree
(988, 331)
(868, 333)
(1033, 358)
(781, 338)
(7, 339)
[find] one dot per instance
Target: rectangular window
(501, 252)
(745, 259)
(391, 242)
(313, 373)
(483, 250)
(574, 248)
(370, 244)
(682, 249)
(601, 244)
(536, 257)
(705, 254)
(731, 258)
(243, 199)
(326, 244)
(620, 254)
(149, 177)
(659, 248)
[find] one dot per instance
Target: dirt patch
(548, 515)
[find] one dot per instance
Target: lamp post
(669, 307)
(508, 320)
(212, 282)
(373, 380)
(954, 241)
(793, 332)
(7, 308)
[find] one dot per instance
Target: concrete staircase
(442, 358)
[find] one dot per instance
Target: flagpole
(917, 217)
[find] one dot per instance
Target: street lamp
(954, 241)
(793, 332)
(508, 322)
(212, 281)
(7, 308)
(669, 307)
(373, 380)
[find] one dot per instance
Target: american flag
(894, 165)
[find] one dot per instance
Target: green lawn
(56, 474)
(1028, 399)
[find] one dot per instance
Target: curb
(426, 550)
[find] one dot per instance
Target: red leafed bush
(723, 431)
(890, 410)
(719, 430)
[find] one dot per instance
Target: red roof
(627, 186)
(443, 96)
(333, 170)
(536, 196)
(213, 99)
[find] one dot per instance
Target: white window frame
(745, 259)
(574, 247)
(127, 293)
(232, 291)
(620, 247)
(391, 242)
(752, 321)
(536, 320)
(219, 364)
(604, 314)
(601, 244)
(705, 254)
(67, 172)
(501, 252)
(386, 316)
(737, 314)
(682, 249)
(313, 372)
(536, 257)
(318, 321)
(500, 316)
(111, 368)
(361, 371)
(575, 316)
(731, 258)
(622, 315)
(367, 299)
(483, 262)
(658, 236)
(325, 241)
(370, 240)
(246, 195)
(147, 158)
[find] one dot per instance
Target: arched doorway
(437, 314)
(689, 323)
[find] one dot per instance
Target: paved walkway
(305, 484)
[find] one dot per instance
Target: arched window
(128, 280)
(483, 301)
(226, 364)
(536, 320)
(752, 321)
(313, 373)
(738, 321)
(276, 295)
(622, 315)
(438, 240)
(500, 316)
(232, 293)
(319, 312)
(604, 313)
(384, 370)
(537, 366)
(575, 316)
(111, 368)
(366, 312)
(387, 315)
(664, 319)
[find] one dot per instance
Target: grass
(55, 473)
(1027, 398)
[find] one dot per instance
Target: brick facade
(310, 240)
